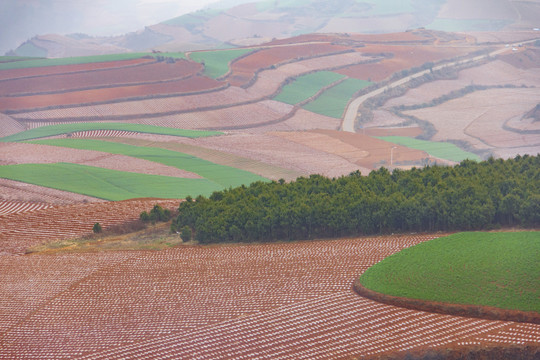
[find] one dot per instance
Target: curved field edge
(59, 129)
(485, 275)
(442, 150)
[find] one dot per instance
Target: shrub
(186, 233)
(97, 228)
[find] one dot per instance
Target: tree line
(469, 196)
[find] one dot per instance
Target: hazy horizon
(23, 19)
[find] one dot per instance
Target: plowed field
(253, 301)
(22, 231)
(152, 72)
(189, 85)
(63, 69)
(243, 70)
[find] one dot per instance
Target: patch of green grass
(52, 130)
(304, 87)
(4, 59)
(216, 63)
(70, 60)
(442, 150)
(490, 269)
(105, 183)
(334, 100)
(224, 176)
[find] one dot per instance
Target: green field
(490, 269)
(223, 176)
(216, 63)
(31, 63)
(52, 130)
(390, 7)
(333, 101)
(106, 184)
(442, 150)
(457, 25)
(304, 87)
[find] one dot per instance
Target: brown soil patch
(397, 131)
(378, 151)
(151, 72)
(21, 153)
(62, 69)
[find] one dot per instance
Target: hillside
(253, 23)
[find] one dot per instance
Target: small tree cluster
(156, 214)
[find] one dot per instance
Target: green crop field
(389, 7)
(216, 63)
(52, 130)
(442, 150)
(224, 176)
(306, 86)
(490, 269)
(334, 100)
(106, 184)
(457, 25)
(40, 62)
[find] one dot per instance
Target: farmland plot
(10, 207)
(146, 73)
(290, 300)
(467, 118)
(25, 230)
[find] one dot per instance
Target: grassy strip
(224, 176)
(52, 130)
(32, 62)
(334, 101)
(489, 269)
(306, 86)
(216, 63)
(105, 183)
(442, 150)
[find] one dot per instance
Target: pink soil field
(10, 207)
(243, 116)
(506, 74)
(63, 69)
(289, 300)
(21, 231)
(189, 85)
(19, 191)
(280, 152)
(9, 126)
(405, 57)
(243, 70)
(151, 72)
(467, 118)
(20, 153)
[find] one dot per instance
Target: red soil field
(243, 70)
(25, 230)
(405, 57)
(287, 301)
(151, 72)
(63, 69)
(189, 85)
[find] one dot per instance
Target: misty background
(23, 19)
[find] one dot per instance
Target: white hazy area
(20, 20)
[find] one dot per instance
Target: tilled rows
(290, 300)
(24, 230)
(10, 206)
